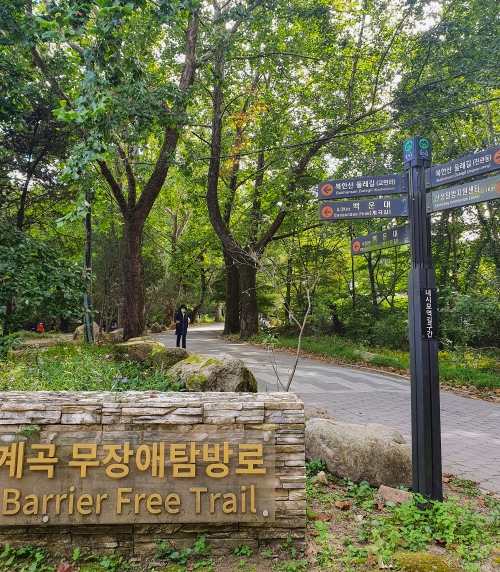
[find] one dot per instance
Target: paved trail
(470, 428)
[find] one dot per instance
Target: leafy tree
(36, 281)
(123, 72)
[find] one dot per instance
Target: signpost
(422, 292)
(362, 186)
(422, 330)
(380, 240)
(375, 208)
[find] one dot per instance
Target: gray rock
(78, 334)
(116, 336)
(220, 372)
(374, 453)
(394, 495)
(155, 328)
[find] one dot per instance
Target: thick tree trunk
(249, 309)
(232, 318)
(134, 322)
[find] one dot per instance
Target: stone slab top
(39, 400)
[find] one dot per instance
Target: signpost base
(425, 409)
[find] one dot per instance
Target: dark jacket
(181, 329)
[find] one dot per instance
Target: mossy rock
(423, 562)
(220, 372)
(137, 349)
(165, 358)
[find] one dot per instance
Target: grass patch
(79, 367)
(461, 533)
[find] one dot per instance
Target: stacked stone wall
(78, 417)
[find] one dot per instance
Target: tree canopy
(200, 130)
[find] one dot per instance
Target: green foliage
(29, 431)
(25, 559)
(267, 554)
(114, 563)
(361, 493)
(243, 550)
(288, 545)
(68, 367)
(292, 566)
(36, 280)
(471, 534)
(326, 556)
(469, 319)
(8, 343)
(314, 467)
(200, 549)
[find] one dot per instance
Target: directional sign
(477, 164)
(460, 195)
(417, 148)
(380, 240)
(376, 208)
(362, 186)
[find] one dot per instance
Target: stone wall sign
(139, 477)
(119, 471)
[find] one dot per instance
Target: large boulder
(374, 453)
(219, 372)
(146, 350)
(78, 334)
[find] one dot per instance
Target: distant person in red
(40, 329)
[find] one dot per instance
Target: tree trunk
(288, 295)
(249, 310)
(232, 318)
(373, 288)
(204, 287)
(134, 318)
(218, 312)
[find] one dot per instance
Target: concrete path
(470, 427)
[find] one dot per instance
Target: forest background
(195, 133)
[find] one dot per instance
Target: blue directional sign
(470, 166)
(380, 240)
(362, 186)
(375, 208)
(461, 195)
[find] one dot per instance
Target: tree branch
(114, 186)
(132, 186)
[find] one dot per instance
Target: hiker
(181, 320)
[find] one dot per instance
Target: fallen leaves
(343, 505)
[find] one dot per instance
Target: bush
(465, 319)
(391, 331)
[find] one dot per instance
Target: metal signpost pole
(422, 318)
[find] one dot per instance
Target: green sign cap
(417, 150)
